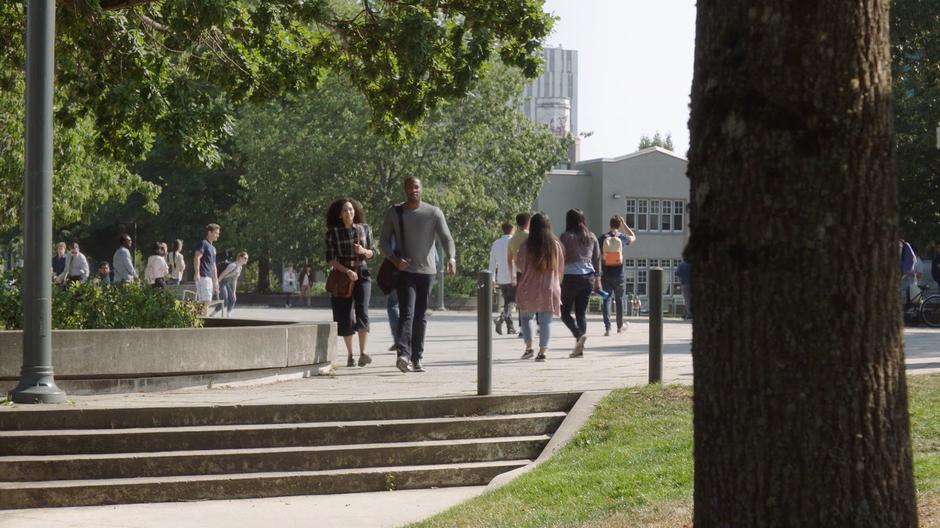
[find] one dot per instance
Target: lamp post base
(37, 392)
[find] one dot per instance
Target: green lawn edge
(634, 454)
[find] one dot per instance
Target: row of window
(636, 273)
(663, 216)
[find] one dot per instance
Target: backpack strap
(401, 230)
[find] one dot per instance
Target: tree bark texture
(800, 400)
(264, 275)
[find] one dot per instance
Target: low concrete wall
(150, 353)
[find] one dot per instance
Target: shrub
(98, 306)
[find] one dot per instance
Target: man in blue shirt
(206, 274)
(122, 262)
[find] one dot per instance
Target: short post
(440, 277)
(484, 333)
(656, 325)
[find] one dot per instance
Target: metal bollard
(656, 324)
(484, 333)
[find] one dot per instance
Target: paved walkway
(450, 358)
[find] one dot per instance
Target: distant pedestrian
(176, 264)
(684, 274)
(935, 264)
(582, 262)
(123, 262)
(228, 283)
(288, 283)
(306, 282)
(156, 271)
(423, 224)
(541, 262)
(908, 266)
(501, 272)
(104, 273)
(348, 246)
(612, 279)
(205, 273)
(76, 266)
(58, 260)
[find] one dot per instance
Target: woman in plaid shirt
(348, 246)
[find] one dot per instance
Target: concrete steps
(79, 457)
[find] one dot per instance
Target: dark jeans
(352, 313)
(614, 285)
(413, 290)
(508, 292)
(575, 293)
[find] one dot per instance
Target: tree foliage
(128, 71)
(479, 159)
(657, 140)
(915, 50)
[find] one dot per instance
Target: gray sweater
(422, 226)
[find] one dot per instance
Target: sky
(634, 69)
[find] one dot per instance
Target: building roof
(636, 154)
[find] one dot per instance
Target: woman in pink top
(540, 263)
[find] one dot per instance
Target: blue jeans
(227, 296)
(545, 324)
(614, 285)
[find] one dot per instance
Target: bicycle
(924, 307)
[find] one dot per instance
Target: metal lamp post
(37, 383)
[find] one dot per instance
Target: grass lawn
(631, 465)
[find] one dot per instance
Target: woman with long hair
(176, 263)
(348, 247)
(582, 267)
(539, 262)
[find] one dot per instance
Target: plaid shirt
(340, 240)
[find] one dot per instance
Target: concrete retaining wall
(148, 353)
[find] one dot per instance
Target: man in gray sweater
(416, 262)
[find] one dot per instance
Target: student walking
(228, 283)
(58, 260)
(582, 262)
(122, 262)
(540, 262)
(348, 247)
(501, 272)
(205, 273)
(156, 271)
(612, 279)
(76, 266)
(306, 282)
(423, 224)
(175, 263)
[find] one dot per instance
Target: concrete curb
(577, 417)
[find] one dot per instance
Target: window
(667, 215)
(678, 209)
(630, 214)
(654, 215)
(629, 275)
(641, 276)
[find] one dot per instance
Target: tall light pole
(37, 383)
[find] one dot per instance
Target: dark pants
(352, 313)
(575, 293)
(614, 285)
(508, 292)
(413, 290)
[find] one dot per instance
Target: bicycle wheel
(930, 311)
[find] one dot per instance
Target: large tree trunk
(800, 400)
